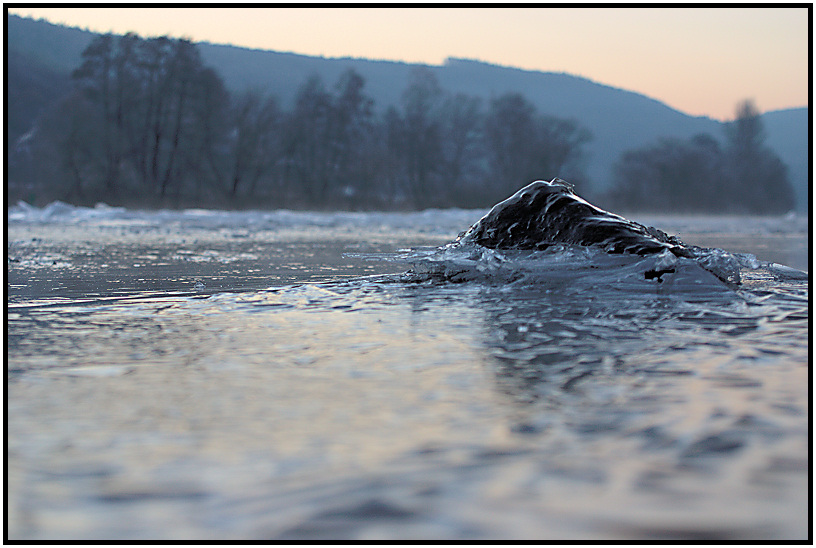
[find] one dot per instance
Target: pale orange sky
(701, 61)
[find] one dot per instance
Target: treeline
(700, 175)
(148, 125)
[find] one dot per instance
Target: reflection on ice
(379, 407)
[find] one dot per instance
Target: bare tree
(523, 146)
(757, 178)
(252, 142)
(422, 137)
(148, 95)
(462, 147)
(698, 174)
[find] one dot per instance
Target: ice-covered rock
(545, 214)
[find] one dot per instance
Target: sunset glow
(700, 61)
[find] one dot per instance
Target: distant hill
(52, 46)
(34, 88)
(618, 119)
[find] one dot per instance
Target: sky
(701, 61)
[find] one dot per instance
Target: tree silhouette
(351, 129)
(672, 175)
(757, 178)
(463, 166)
(698, 174)
(523, 145)
(150, 125)
(252, 143)
(151, 100)
(421, 102)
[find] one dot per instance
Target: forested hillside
(597, 123)
(34, 89)
(148, 123)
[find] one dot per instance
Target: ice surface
(428, 220)
(233, 375)
(579, 267)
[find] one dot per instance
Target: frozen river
(262, 375)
